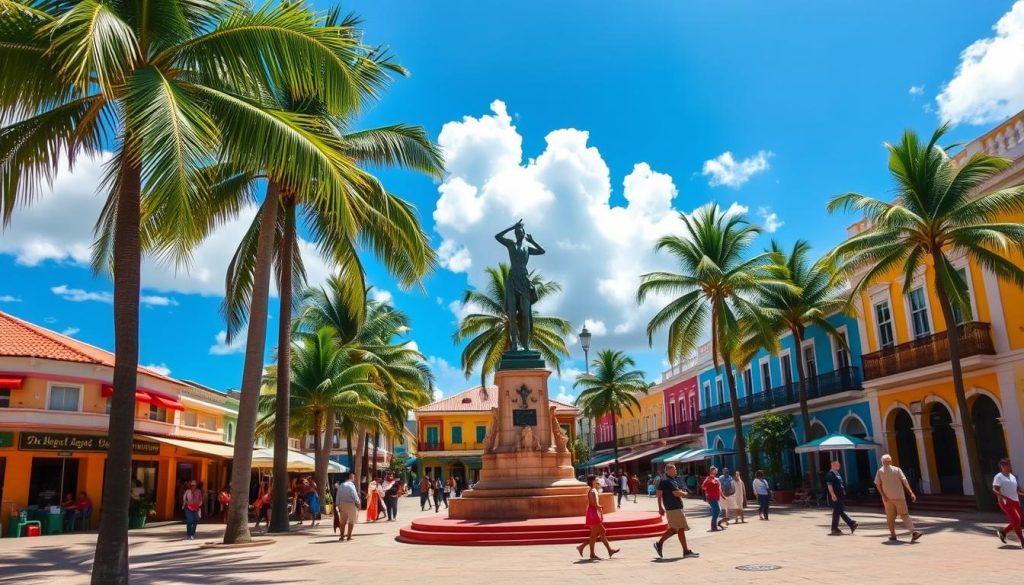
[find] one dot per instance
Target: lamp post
(585, 343)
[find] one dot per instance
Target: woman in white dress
(737, 500)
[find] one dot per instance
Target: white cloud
(460, 310)
(449, 379)
(222, 347)
(161, 369)
(564, 396)
(726, 170)
(77, 295)
(596, 250)
(770, 219)
(988, 84)
(916, 90)
(9, 299)
(157, 301)
(411, 344)
(70, 331)
(382, 296)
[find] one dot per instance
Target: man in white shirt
(893, 486)
(1007, 492)
(347, 503)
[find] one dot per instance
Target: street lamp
(585, 342)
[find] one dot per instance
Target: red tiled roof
(23, 339)
(476, 400)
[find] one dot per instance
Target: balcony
(975, 339)
(638, 438)
(841, 380)
(686, 427)
(603, 445)
(431, 446)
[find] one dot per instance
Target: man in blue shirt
(346, 505)
(837, 492)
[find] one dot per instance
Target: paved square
(955, 549)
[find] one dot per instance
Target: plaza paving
(954, 549)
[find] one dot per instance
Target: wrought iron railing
(686, 427)
(431, 445)
(602, 445)
(975, 339)
(833, 382)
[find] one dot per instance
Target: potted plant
(138, 511)
(772, 435)
(328, 502)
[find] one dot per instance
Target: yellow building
(641, 425)
(906, 370)
(451, 432)
(54, 398)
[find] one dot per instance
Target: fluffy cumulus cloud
(448, 378)
(223, 347)
(988, 84)
(57, 227)
(596, 250)
(381, 296)
(78, 295)
(726, 170)
(161, 369)
(769, 219)
(157, 301)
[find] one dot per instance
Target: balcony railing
(686, 427)
(975, 339)
(638, 438)
(602, 445)
(834, 382)
(431, 445)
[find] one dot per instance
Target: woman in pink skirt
(595, 522)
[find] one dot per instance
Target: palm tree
(489, 328)
(715, 289)
(326, 384)
(815, 294)
(611, 389)
(171, 84)
(939, 211)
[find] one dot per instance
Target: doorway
(989, 431)
(184, 473)
(945, 450)
(51, 478)
(906, 448)
(145, 472)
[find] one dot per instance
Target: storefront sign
(62, 442)
(64, 454)
(6, 439)
(524, 417)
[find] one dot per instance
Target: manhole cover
(759, 567)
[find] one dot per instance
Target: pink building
(603, 436)
(681, 406)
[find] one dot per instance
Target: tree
(489, 333)
(611, 389)
(940, 211)
(715, 289)
(170, 85)
(580, 451)
(815, 294)
(771, 435)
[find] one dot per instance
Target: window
(766, 376)
(231, 435)
(810, 363)
(786, 363)
(456, 434)
(919, 313)
(721, 391)
(64, 398)
(883, 317)
(707, 394)
(682, 409)
(693, 410)
(748, 381)
(157, 413)
(957, 313)
(842, 355)
(210, 423)
(5, 397)
(481, 433)
(190, 419)
(671, 412)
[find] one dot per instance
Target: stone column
(965, 469)
(921, 434)
(1011, 413)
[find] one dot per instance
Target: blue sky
(550, 108)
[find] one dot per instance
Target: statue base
(522, 359)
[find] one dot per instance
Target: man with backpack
(728, 490)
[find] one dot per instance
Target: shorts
(348, 514)
(676, 520)
(899, 507)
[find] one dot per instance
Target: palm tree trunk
(365, 463)
(318, 444)
(981, 493)
(615, 439)
(237, 528)
(280, 494)
(805, 415)
(327, 445)
(357, 462)
(110, 565)
(348, 449)
(376, 447)
(737, 424)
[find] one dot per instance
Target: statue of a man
(519, 292)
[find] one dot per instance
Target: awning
(11, 382)
(599, 459)
(166, 402)
(222, 451)
(264, 459)
(410, 461)
(644, 453)
(670, 456)
(836, 442)
(699, 454)
(107, 391)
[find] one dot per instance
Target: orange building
(54, 399)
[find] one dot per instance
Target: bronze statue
(519, 291)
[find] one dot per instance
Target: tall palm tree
(715, 290)
(939, 211)
(612, 389)
(488, 329)
(326, 384)
(815, 294)
(170, 85)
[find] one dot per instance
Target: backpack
(728, 488)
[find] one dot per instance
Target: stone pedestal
(527, 469)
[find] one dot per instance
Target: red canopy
(11, 382)
(107, 391)
(166, 401)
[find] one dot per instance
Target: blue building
(770, 383)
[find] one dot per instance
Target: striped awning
(644, 453)
(599, 459)
(670, 456)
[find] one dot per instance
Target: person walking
(225, 500)
(738, 500)
(312, 499)
(670, 505)
(346, 507)
(623, 483)
(634, 486)
(594, 521)
(893, 486)
(262, 504)
(713, 494)
(192, 504)
(391, 495)
(425, 493)
(763, 493)
(837, 492)
(438, 495)
(1007, 491)
(728, 489)
(449, 490)
(373, 503)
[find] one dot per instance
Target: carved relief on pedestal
(492, 431)
(528, 441)
(561, 440)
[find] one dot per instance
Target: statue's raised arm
(535, 249)
(520, 293)
(500, 236)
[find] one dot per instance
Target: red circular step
(446, 531)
